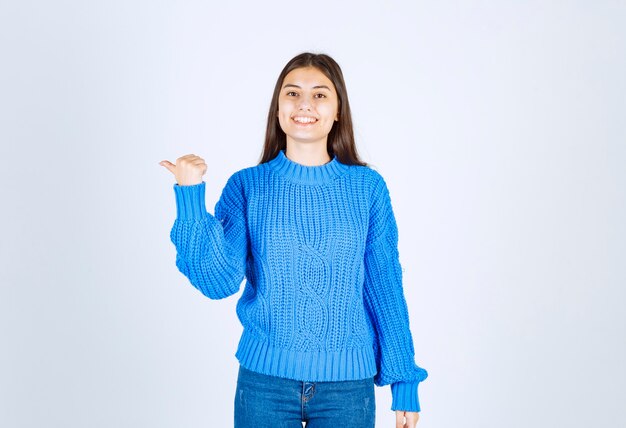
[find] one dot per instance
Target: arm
(211, 249)
(386, 306)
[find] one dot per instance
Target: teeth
(304, 119)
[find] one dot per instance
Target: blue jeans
(263, 401)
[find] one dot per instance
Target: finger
(170, 166)
(192, 161)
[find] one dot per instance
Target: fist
(188, 169)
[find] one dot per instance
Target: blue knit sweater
(318, 246)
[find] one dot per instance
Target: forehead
(307, 77)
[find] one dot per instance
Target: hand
(411, 419)
(188, 169)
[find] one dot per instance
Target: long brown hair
(340, 141)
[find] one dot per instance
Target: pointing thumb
(170, 166)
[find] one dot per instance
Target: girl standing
(312, 230)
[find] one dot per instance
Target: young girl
(312, 230)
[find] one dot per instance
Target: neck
(307, 174)
(314, 154)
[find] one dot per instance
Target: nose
(304, 103)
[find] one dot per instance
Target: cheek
(282, 112)
(284, 120)
(281, 121)
(284, 109)
(330, 112)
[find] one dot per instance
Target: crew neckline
(307, 174)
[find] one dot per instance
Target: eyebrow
(289, 85)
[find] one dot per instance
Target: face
(307, 106)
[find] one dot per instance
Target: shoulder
(371, 181)
(233, 199)
(235, 189)
(240, 179)
(244, 182)
(364, 174)
(248, 175)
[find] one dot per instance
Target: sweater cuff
(190, 203)
(404, 396)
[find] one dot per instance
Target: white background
(498, 126)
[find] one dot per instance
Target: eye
(322, 95)
(290, 92)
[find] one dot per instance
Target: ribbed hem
(190, 203)
(312, 366)
(316, 174)
(405, 397)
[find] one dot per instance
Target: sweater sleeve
(211, 250)
(386, 306)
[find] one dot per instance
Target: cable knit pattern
(318, 247)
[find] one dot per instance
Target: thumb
(170, 166)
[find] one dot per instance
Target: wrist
(405, 396)
(190, 202)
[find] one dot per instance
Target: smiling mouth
(304, 120)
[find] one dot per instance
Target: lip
(304, 124)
